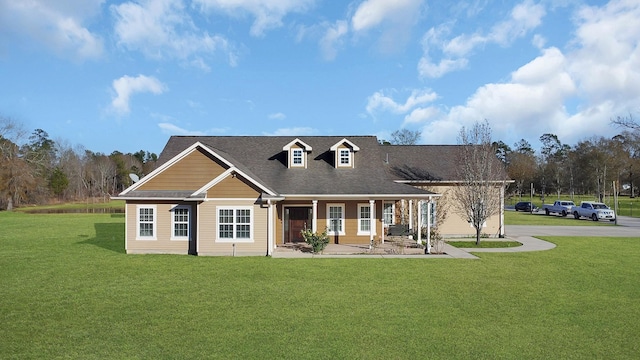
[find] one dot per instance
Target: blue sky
(125, 75)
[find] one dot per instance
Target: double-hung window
(297, 157)
(180, 223)
(345, 157)
(432, 214)
(235, 224)
(387, 213)
(335, 219)
(146, 222)
(364, 219)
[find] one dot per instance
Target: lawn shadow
(109, 236)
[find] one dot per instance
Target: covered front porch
(357, 221)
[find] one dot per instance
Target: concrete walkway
(627, 227)
(362, 251)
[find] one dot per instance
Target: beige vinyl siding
(163, 243)
(190, 173)
(234, 187)
(454, 225)
(209, 230)
(350, 222)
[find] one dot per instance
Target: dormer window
(297, 153)
(345, 157)
(344, 152)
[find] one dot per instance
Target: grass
(67, 290)
(484, 244)
(108, 206)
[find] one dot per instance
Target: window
(235, 224)
(387, 213)
(345, 157)
(335, 219)
(180, 223)
(146, 223)
(432, 214)
(364, 219)
(297, 159)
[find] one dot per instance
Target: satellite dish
(134, 178)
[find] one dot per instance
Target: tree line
(591, 166)
(34, 169)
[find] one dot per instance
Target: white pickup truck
(560, 207)
(594, 210)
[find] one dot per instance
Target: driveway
(627, 227)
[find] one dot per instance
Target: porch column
(410, 214)
(372, 221)
(502, 211)
(428, 247)
(270, 228)
(419, 227)
(314, 219)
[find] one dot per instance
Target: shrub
(318, 241)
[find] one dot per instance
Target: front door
(299, 219)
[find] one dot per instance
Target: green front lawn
(67, 290)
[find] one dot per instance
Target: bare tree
(405, 137)
(16, 176)
(626, 122)
(482, 177)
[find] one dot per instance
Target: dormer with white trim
(344, 154)
(297, 152)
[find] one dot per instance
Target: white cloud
(58, 25)
(294, 131)
(172, 129)
(392, 19)
(381, 102)
(523, 18)
(126, 86)
(372, 13)
(163, 29)
(277, 116)
(333, 38)
(268, 14)
(572, 94)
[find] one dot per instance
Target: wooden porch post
(314, 220)
(372, 221)
(419, 225)
(428, 246)
(270, 229)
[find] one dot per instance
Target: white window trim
(393, 212)
(234, 239)
(350, 157)
(155, 222)
(173, 223)
(343, 225)
(372, 224)
(302, 157)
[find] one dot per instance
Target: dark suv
(525, 206)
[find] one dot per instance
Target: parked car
(560, 207)
(526, 206)
(594, 210)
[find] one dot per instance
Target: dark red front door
(298, 221)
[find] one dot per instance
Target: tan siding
(454, 225)
(208, 230)
(163, 242)
(190, 173)
(351, 220)
(234, 187)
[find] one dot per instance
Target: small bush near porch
(67, 290)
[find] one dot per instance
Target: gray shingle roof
(262, 158)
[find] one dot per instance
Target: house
(246, 195)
